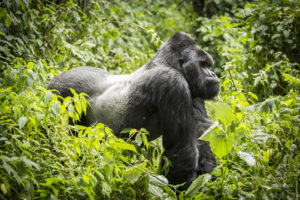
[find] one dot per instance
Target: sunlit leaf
(250, 160)
(145, 141)
(4, 189)
(7, 22)
(197, 184)
(126, 130)
(221, 143)
(132, 175)
(22, 121)
(106, 189)
(124, 146)
(223, 112)
(210, 131)
(30, 163)
(47, 97)
(293, 80)
(86, 179)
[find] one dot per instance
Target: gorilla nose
(212, 74)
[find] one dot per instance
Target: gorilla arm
(202, 123)
(171, 96)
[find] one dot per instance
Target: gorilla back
(111, 98)
(166, 96)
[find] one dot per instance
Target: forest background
(255, 136)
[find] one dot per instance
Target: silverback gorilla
(165, 96)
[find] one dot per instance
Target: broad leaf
(124, 146)
(132, 175)
(223, 112)
(22, 121)
(250, 160)
(197, 184)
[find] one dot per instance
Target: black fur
(166, 96)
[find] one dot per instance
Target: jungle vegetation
(255, 135)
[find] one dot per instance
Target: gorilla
(165, 96)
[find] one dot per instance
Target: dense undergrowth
(256, 131)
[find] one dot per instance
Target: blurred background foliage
(255, 45)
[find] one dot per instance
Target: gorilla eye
(203, 63)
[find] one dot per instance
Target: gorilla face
(210, 86)
(198, 70)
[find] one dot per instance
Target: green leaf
(145, 141)
(155, 191)
(277, 35)
(106, 189)
(286, 33)
(124, 146)
(293, 80)
(26, 2)
(4, 189)
(158, 180)
(132, 175)
(30, 65)
(253, 96)
(221, 143)
(73, 91)
(53, 180)
(87, 131)
(52, 196)
(22, 121)
(210, 131)
(218, 31)
(138, 139)
(3, 12)
(249, 5)
(47, 97)
(223, 112)
(86, 179)
(70, 4)
(7, 21)
(197, 184)
(56, 107)
(76, 146)
(71, 110)
(83, 102)
(89, 193)
(78, 106)
(250, 160)
(30, 163)
(126, 130)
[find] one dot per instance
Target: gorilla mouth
(212, 80)
(212, 88)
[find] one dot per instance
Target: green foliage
(39, 158)
(255, 135)
(257, 46)
(257, 146)
(115, 35)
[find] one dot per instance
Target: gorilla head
(182, 53)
